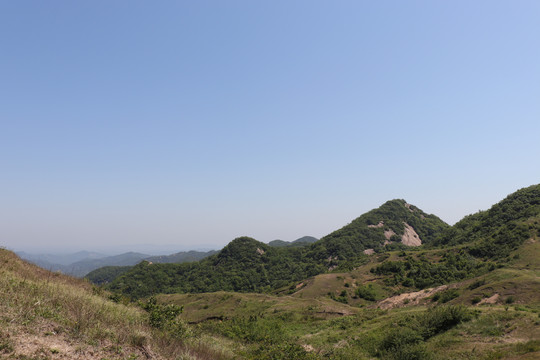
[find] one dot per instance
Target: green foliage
(405, 341)
(106, 274)
(364, 232)
(244, 265)
(403, 344)
(496, 232)
(477, 284)
(475, 300)
(366, 292)
(448, 295)
(165, 317)
(421, 272)
(441, 318)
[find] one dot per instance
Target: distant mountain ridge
(304, 240)
(93, 261)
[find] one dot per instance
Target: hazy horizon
(189, 124)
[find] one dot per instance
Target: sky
(182, 125)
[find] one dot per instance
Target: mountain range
(393, 284)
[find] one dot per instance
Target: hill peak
(395, 223)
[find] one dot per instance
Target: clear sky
(189, 123)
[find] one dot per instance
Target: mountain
(60, 259)
(395, 224)
(83, 267)
(305, 240)
(246, 264)
(106, 274)
(180, 257)
(86, 262)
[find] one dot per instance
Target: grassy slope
(45, 315)
(507, 329)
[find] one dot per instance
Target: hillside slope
(45, 315)
(245, 264)
(249, 265)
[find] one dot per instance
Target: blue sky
(188, 123)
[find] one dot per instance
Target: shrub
(448, 295)
(366, 292)
(162, 316)
(477, 284)
(441, 318)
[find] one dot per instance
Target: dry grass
(45, 315)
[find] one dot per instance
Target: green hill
(243, 265)
(395, 224)
(249, 265)
(496, 232)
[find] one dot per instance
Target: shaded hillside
(182, 256)
(494, 233)
(45, 315)
(303, 241)
(106, 274)
(243, 265)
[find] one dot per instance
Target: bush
(475, 300)
(403, 344)
(163, 316)
(448, 295)
(366, 292)
(441, 318)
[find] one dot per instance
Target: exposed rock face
(369, 251)
(260, 251)
(389, 233)
(410, 237)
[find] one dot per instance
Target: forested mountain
(478, 278)
(245, 264)
(248, 265)
(180, 257)
(395, 223)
